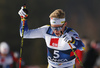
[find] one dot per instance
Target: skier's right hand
(23, 12)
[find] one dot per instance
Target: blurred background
(81, 15)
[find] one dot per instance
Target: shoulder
(45, 26)
(71, 31)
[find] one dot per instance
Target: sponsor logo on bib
(54, 42)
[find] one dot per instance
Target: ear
(65, 23)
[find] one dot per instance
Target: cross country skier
(57, 37)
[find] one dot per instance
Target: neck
(62, 31)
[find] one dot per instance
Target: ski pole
(22, 39)
(75, 55)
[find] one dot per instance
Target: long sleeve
(77, 41)
(33, 33)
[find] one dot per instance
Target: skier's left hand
(67, 38)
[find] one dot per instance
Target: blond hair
(58, 13)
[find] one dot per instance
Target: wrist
(73, 40)
(23, 19)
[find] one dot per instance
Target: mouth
(57, 34)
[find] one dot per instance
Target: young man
(57, 37)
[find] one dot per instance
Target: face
(57, 29)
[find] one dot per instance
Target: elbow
(20, 34)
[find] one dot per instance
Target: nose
(56, 30)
